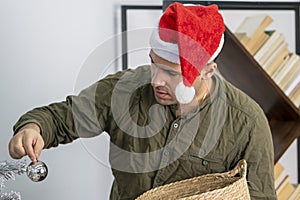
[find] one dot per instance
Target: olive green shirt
(150, 146)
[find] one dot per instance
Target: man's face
(164, 78)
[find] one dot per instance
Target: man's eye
(172, 73)
(151, 60)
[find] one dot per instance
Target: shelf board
(284, 133)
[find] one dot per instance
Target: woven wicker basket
(225, 186)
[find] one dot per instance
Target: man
(170, 121)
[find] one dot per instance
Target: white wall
(44, 46)
(45, 49)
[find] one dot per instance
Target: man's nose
(158, 78)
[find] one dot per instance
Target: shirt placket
(165, 157)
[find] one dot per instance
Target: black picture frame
(124, 9)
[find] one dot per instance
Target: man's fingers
(38, 147)
(28, 146)
(16, 151)
(27, 141)
(15, 147)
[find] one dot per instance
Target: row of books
(285, 190)
(270, 49)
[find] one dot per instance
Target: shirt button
(166, 153)
(159, 182)
(175, 125)
(204, 162)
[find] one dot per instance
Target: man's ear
(209, 70)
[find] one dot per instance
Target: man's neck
(205, 88)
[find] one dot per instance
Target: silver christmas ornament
(37, 171)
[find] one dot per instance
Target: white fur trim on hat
(184, 94)
(169, 51)
(165, 50)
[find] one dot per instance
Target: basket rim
(240, 168)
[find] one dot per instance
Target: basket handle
(240, 168)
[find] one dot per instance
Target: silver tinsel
(8, 170)
(10, 196)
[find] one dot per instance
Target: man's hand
(27, 141)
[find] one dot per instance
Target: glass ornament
(37, 171)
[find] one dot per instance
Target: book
(242, 37)
(254, 27)
(292, 76)
(283, 183)
(278, 43)
(274, 41)
(293, 59)
(295, 84)
(282, 64)
(287, 61)
(278, 169)
(275, 54)
(279, 174)
(286, 192)
(285, 189)
(271, 65)
(296, 101)
(296, 194)
(295, 95)
(294, 90)
(258, 43)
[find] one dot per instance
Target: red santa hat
(189, 35)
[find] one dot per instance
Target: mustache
(162, 89)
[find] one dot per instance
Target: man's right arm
(82, 116)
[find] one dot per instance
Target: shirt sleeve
(260, 158)
(83, 115)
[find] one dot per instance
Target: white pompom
(184, 94)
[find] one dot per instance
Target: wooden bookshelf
(283, 115)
